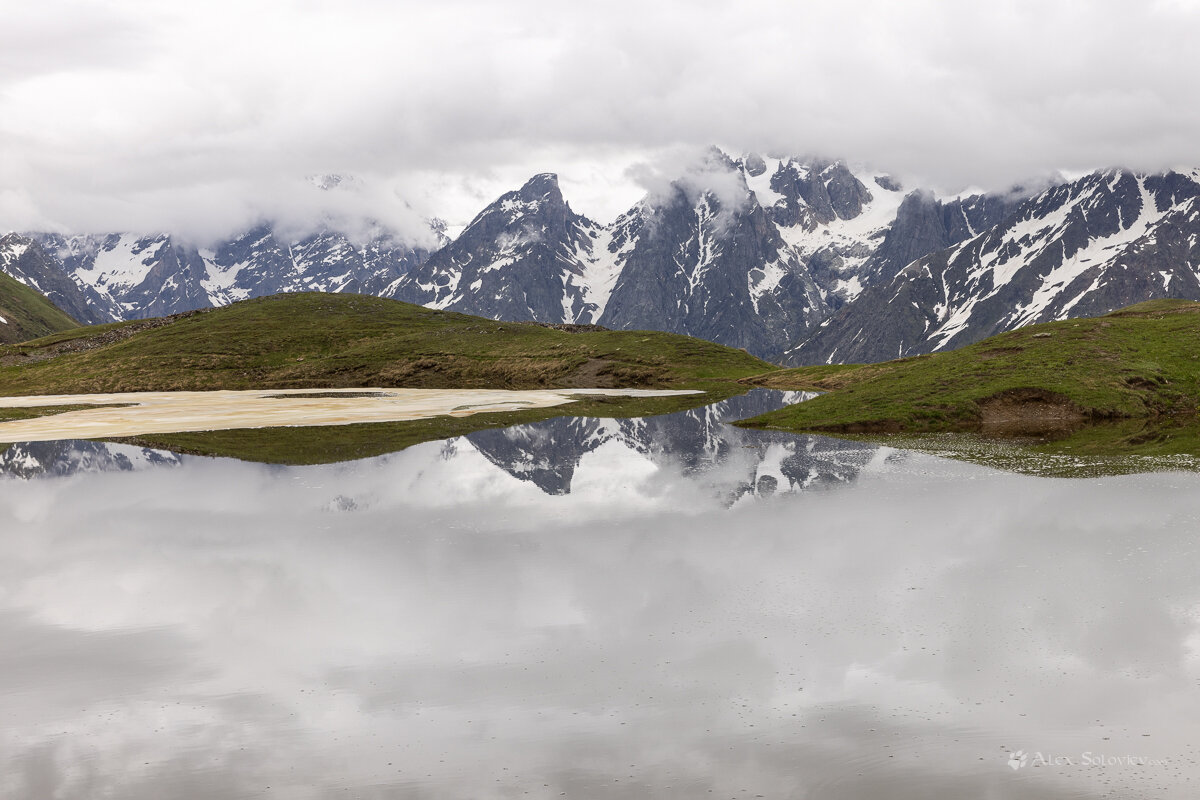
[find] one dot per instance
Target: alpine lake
(665, 607)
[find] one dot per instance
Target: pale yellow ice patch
(176, 412)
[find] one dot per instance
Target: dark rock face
(888, 183)
(919, 228)
(1092, 246)
(833, 218)
(24, 259)
(174, 282)
(754, 165)
(817, 193)
(924, 224)
(703, 267)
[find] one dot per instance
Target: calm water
(667, 607)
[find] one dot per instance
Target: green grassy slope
(323, 340)
(27, 314)
(1143, 361)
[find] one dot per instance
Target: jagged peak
(13, 246)
(13, 238)
(542, 184)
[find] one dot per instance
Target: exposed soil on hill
(1029, 411)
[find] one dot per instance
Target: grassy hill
(25, 314)
(325, 340)
(1143, 361)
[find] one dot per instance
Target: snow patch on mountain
(122, 262)
(221, 281)
(600, 265)
(765, 280)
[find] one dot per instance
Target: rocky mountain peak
(754, 164)
(542, 186)
(817, 193)
(525, 256)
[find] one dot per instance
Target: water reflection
(61, 458)
(730, 463)
(439, 623)
(700, 443)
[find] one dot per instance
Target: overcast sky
(198, 116)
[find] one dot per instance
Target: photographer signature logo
(1018, 759)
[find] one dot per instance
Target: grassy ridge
(27, 314)
(1143, 361)
(322, 340)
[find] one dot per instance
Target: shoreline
(138, 413)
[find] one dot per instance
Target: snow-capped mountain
(795, 259)
(1105, 241)
(127, 276)
(260, 262)
(854, 226)
(527, 256)
(709, 262)
(834, 218)
(752, 253)
(725, 253)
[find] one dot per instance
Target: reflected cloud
(453, 629)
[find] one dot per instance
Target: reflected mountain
(700, 443)
(71, 456)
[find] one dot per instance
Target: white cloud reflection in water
(220, 629)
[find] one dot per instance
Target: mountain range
(795, 259)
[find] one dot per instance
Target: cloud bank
(198, 117)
